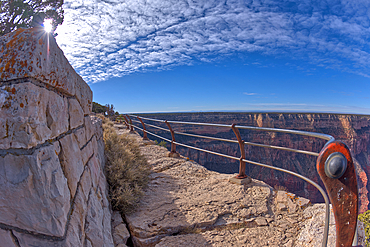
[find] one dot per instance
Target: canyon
(353, 130)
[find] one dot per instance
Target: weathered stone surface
(89, 127)
(248, 237)
(28, 240)
(36, 182)
(48, 197)
(6, 239)
(76, 115)
(84, 97)
(71, 162)
(98, 221)
(80, 137)
(120, 232)
(87, 151)
(24, 54)
(76, 228)
(185, 195)
(302, 202)
(30, 115)
(312, 226)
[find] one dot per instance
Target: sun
(48, 25)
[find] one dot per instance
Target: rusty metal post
(336, 170)
(145, 137)
(173, 145)
(126, 122)
(131, 127)
(241, 174)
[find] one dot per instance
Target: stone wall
(53, 189)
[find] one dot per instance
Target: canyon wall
(53, 189)
(354, 130)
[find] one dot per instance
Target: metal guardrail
(334, 165)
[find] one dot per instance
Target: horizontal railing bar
(136, 121)
(150, 133)
(150, 119)
(206, 137)
(282, 148)
(203, 124)
(252, 144)
(146, 124)
(297, 132)
(207, 151)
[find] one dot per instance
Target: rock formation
(53, 189)
(354, 130)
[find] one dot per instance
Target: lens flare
(48, 25)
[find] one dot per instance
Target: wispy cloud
(250, 94)
(104, 39)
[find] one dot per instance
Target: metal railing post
(145, 137)
(131, 127)
(337, 172)
(241, 174)
(173, 145)
(126, 122)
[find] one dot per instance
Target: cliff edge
(188, 205)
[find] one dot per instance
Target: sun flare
(48, 25)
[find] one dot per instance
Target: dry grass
(126, 169)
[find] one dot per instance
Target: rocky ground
(188, 205)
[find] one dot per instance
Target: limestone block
(84, 97)
(30, 115)
(76, 115)
(28, 240)
(76, 234)
(80, 137)
(120, 232)
(6, 239)
(37, 184)
(31, 53)
(302, 202)
(95, 171)
(87, 152)
(107, 227)
(85, 181)
(98, 222)
(89, 127)
(71, 162)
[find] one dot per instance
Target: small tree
(98, 108)
(110, 110)
(29, 13)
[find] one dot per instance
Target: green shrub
(162, 143)
(365, 218)
(126, 169)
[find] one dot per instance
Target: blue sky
(205, 55)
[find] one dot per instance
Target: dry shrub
(126, 169)
(280, 187)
